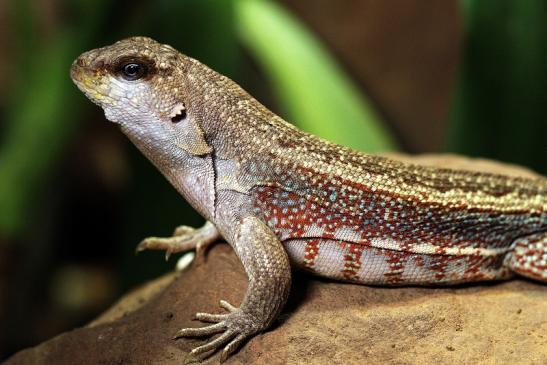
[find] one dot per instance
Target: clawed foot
(184, 239)
(235, 326)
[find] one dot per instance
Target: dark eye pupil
(133, 71)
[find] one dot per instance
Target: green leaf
(43, 113)
(316, 94)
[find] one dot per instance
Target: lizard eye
(133, 71)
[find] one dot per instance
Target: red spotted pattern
(321, 207)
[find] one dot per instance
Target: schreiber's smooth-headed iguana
(280, 196)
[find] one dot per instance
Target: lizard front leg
(184, 239)
(267, 266)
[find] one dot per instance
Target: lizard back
(318, 196)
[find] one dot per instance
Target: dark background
(76, 197)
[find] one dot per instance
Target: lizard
(283, 198)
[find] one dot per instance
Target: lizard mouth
(76, 74)
(90, 83)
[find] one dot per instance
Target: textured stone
(323, 323)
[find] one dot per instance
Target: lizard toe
(231, 347)
(235, 327)
(208, 317)
(230, 308)
(183, 231)
(201, 331)
(214, 344)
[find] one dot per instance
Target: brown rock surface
(324, 322)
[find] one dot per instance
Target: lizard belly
(371, 265)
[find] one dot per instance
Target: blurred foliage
(312, 88)
(499, 109)
(43, 111)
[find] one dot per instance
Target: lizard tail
(529, 257)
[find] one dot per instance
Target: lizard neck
(192, 176)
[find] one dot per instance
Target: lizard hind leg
(184, 239)
(529, 257)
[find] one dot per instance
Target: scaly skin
(279, 195)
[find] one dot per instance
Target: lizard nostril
(99, 65)
(80, 62)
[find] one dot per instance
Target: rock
(324, 322)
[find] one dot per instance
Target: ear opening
(180, 115)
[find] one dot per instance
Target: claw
(150, 243)
(200, 251)
(141, 246)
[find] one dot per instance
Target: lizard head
(140, 85)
